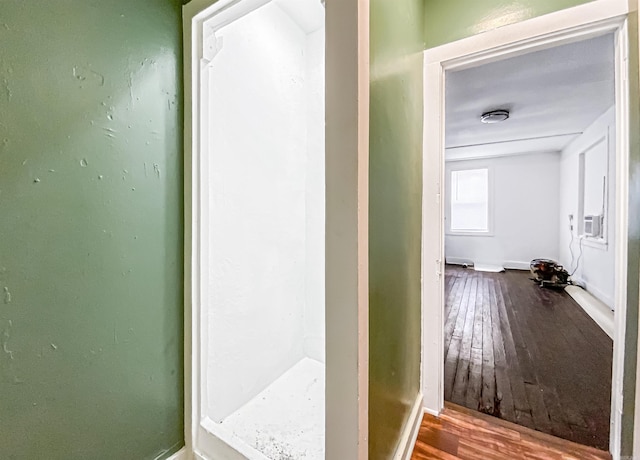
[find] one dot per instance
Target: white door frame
(346, 228)
(566, 26)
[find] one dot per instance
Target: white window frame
(490, 202)
(600, 242)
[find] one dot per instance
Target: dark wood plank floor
(458, 434)
(526, 354)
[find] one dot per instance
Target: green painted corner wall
(450, 20)
(395, 194)
(91, 324)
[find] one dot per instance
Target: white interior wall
(268, 220)
(597, 265)
(525, 206)
(314, 319)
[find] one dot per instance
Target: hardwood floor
(527, 355)
(459, 434)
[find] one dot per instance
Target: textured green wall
(91, 223)
(395, 218)
(450, 20)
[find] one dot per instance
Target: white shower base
(286, 420)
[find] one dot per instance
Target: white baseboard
(508, 264)
(431, 412)
(516, 265)
(410, 432)
(594, 291)
(180, 455)
(458, 261)
(595, 308)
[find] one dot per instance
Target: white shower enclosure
(261, 327)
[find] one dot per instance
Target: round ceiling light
(494, 116)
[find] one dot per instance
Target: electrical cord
(573, 256)
(579, 257)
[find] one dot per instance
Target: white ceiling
(308, 14)
(553, 95)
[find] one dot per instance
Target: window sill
(597, 243)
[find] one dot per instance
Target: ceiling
(308, 14)
(552, 95)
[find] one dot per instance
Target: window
(470, 201)
(593, 191)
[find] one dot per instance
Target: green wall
(450, 20)
(395, 218)
(91, 223)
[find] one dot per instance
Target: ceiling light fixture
(494, 116)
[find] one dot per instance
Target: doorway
(259, 351)
(345, 224)
(557, 29)
(527, 158)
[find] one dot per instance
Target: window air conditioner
(593, 226)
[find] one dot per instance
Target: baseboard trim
(435, 413)
(595, 308)
(594, 291)
(516, 265)
(410, 432)
(458, 261)
(180, 455)
(508, 264)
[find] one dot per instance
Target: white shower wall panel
(314, 319)
(258, 167)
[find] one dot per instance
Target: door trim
(566, 26)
